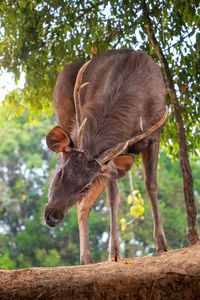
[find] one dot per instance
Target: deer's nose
(52, 219)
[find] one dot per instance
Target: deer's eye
(59, 173)
(86, 188)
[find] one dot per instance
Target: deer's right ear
(58, 140)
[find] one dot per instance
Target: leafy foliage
(39, 37)
(136, 210)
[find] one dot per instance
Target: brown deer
(107, 110)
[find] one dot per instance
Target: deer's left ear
(58, 140)
(118, 167)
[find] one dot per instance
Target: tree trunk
(184, 159)
(173, 275)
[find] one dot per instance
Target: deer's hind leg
(150, 160)
(113, 200)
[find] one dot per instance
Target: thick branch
(173, 275)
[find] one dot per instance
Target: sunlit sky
(7, 83)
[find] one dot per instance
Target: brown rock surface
(173, 275)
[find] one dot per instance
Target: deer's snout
(52, 218)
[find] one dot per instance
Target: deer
(108, 110)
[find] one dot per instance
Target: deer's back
(124, 87)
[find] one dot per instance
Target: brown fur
(124, 86)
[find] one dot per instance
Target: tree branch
(182, 39)
(86, 10)
(173, 275)
(184, 159)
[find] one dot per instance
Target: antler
(140, 137)
(112, 153)
(77, 88)
(79, 140)
(121, 147)
(77, 104)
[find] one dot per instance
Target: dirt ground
(173, 275)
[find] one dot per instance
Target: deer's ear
(58, 140)
(124, 162)
(118, 167)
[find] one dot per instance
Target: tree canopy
(39, 37)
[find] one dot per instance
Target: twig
(182, 39)
(130, 222)
(131, 182)
(86, 10)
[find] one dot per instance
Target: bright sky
(7, 83)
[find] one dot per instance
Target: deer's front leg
(84, 207)
(113, 200)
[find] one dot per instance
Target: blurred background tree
(36, 39)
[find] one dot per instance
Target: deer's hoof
(114, 257)
(86, 260)
(162, 250)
